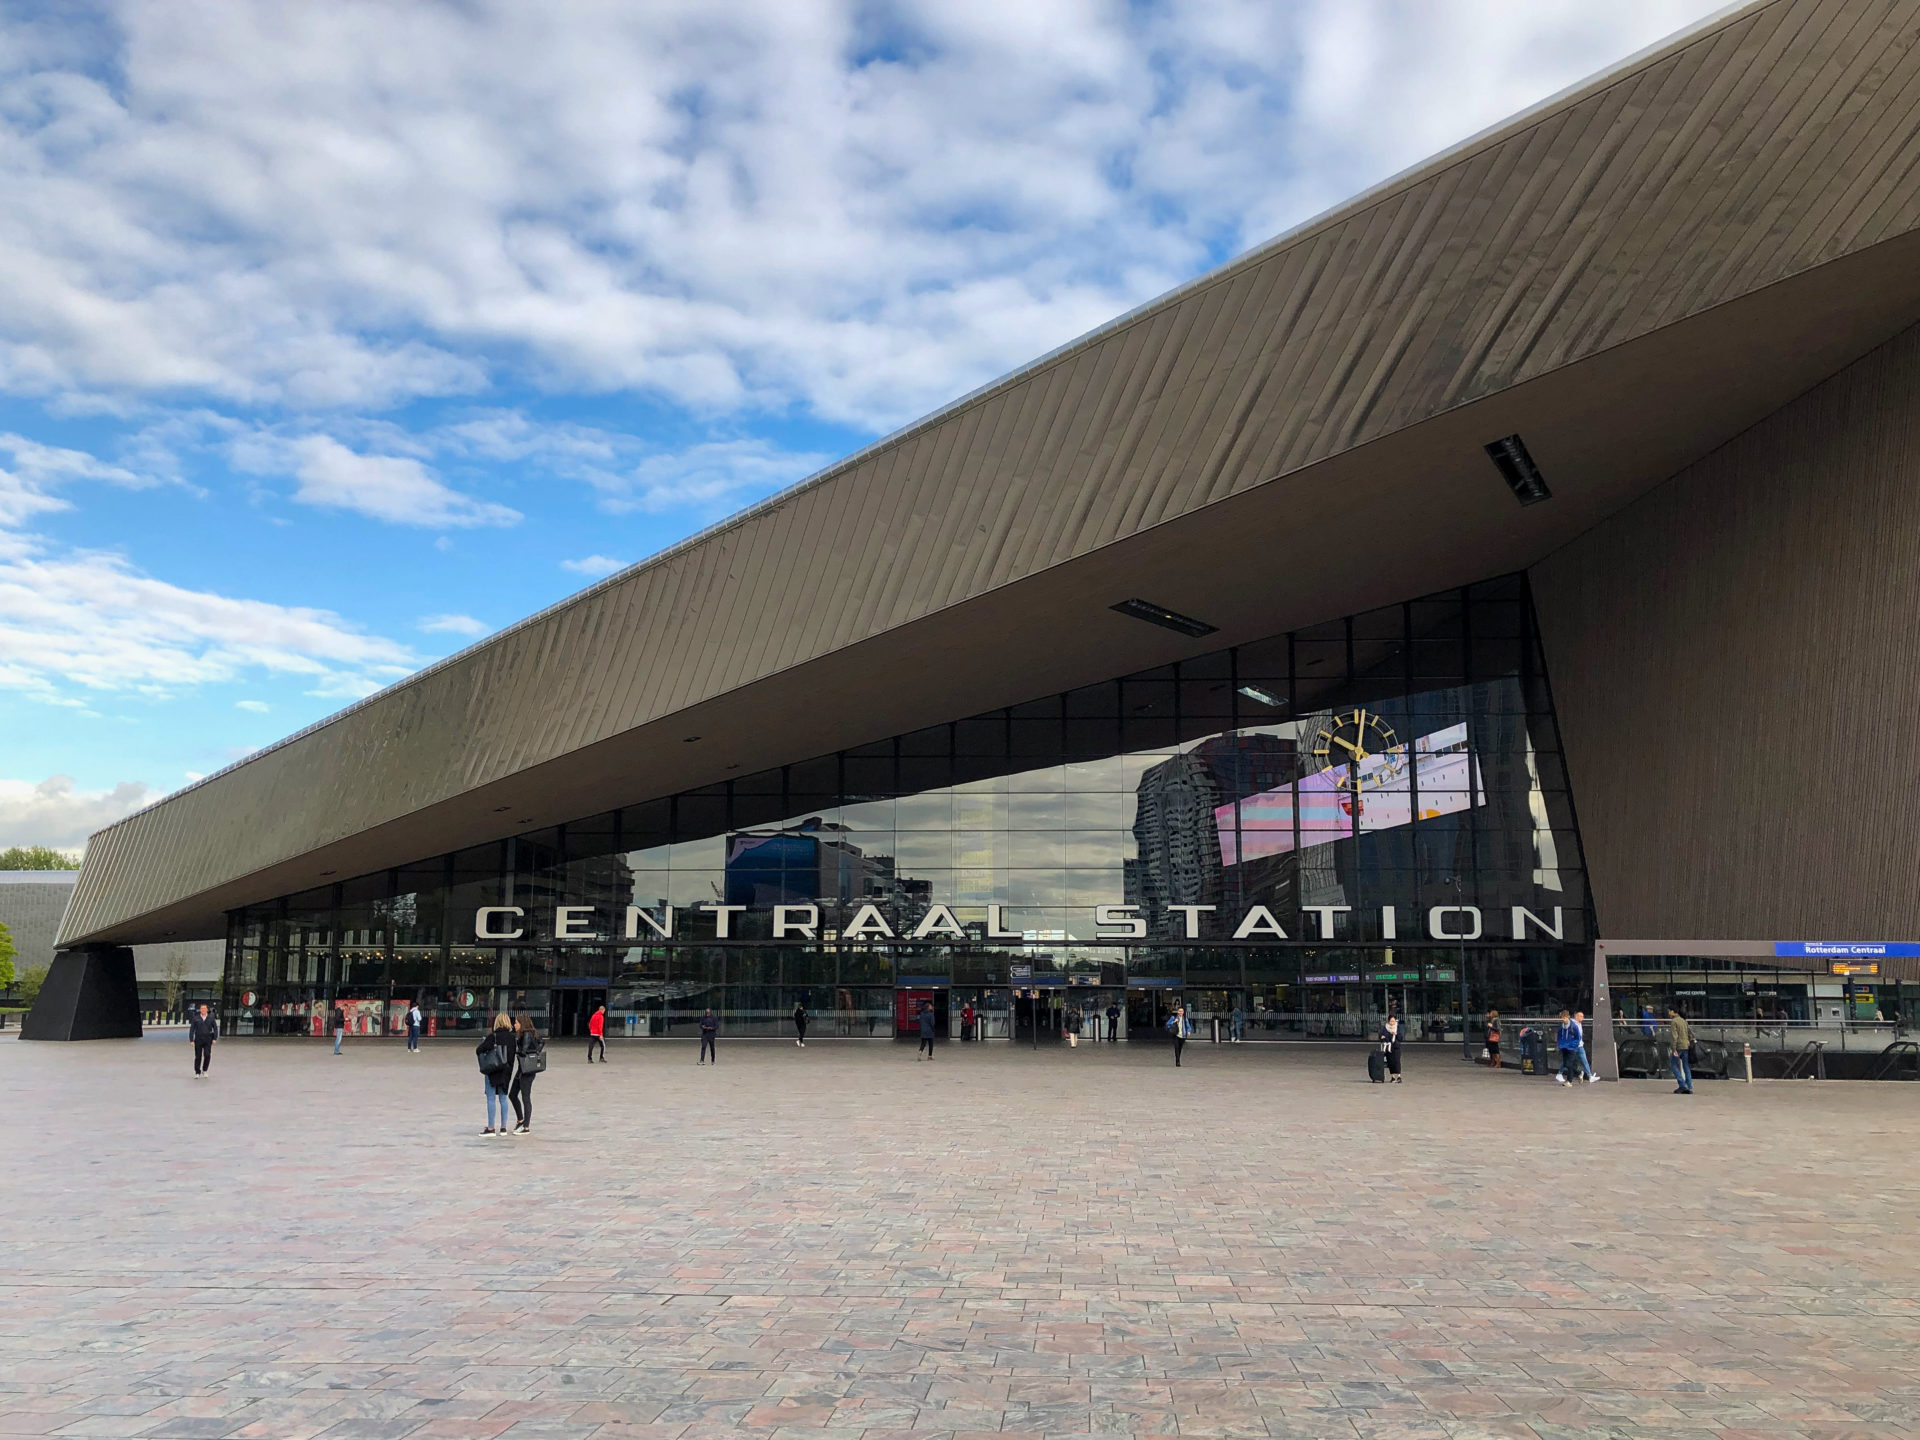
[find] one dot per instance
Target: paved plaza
(844, 1241)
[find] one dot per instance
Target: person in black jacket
(800, 1023)
(709, 1027)
(339, 1026)
(498, 1079)
(530, 1050)
(203, 1030)
(1390, 1047)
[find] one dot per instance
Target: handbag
(493, 1058)
(535, 1060)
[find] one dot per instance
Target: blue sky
(334, 337)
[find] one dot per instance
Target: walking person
(530, 1057)
(596, 1034)
(1680, 1052)
(1239, 1021)
(202, 1030)
(1390, 1038)
(1181, 1029)
(1580, 1030)
(800, 1023)
(1568, 1038)
(926, 1030)
(339, 1026)
(1113, 1023)
(1493, 1039)
(413, 1027)
(497, 1051)
(709, 1027)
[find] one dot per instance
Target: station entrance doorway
(907, 1003)
(570, 1007)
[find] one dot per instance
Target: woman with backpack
(496, 1052)
(530, 1050)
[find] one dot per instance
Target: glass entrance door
(1147, 1012)
(570, 1007)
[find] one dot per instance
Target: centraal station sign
(586, 924)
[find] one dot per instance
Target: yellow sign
(1854, 967)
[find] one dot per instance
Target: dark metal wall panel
(1494, 265)
(1735, 659)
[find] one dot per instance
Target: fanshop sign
(588, 924)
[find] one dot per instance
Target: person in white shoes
(800, 1023)
(1580, 1028)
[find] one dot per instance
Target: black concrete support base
(88, 994)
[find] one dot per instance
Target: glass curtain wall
(1293, 835)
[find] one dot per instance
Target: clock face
(1359, 751)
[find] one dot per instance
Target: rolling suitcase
(1376, 1067)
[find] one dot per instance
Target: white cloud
(593, 566)
(716, 477)
(395, 488)
(454, 625)
(858, 210)
(93, 622)
(258, 707)
(53, 812)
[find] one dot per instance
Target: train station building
(1499, 592)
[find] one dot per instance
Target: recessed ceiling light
(1254, 692)
(1159, 615)
(329, 872)
(1516, 467)
(501, 809)
(690, 739)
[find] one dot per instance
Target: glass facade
(1292, 835)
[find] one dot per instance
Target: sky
(335, 337)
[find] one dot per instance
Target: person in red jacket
(597, 1034)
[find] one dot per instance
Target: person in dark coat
(498, 1081)
(800, 1023)
(339, 1027)
(1390, 1038)
(709, 1027)
(1113, 1024)
(926, 1030)
(530, 1057)
(203, 1030)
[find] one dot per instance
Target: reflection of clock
(1359, 750)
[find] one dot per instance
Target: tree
(7, 952)
(36, 857)
(175, 976)
(30, 981)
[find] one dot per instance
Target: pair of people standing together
(511, 1055)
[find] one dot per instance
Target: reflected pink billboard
(1443, 773)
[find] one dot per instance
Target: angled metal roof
(1629, 274)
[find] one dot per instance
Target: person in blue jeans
(1569, 1040)
(498, 1082)
(1679, 1052)
(1580, 1029)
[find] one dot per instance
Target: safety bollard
(1746, 1051)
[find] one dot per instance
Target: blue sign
(1846, 949)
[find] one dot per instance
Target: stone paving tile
(837, 1243)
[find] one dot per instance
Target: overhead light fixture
(1516, 467)
(329, 872)
(501, 809)
(1254, 692)
(689, 739)
(1159, 615)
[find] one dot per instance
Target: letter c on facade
(483, 922)
(1437, 922)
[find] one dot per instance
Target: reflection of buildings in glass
(814, 862)
(1179, 848)
(1175, 829)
